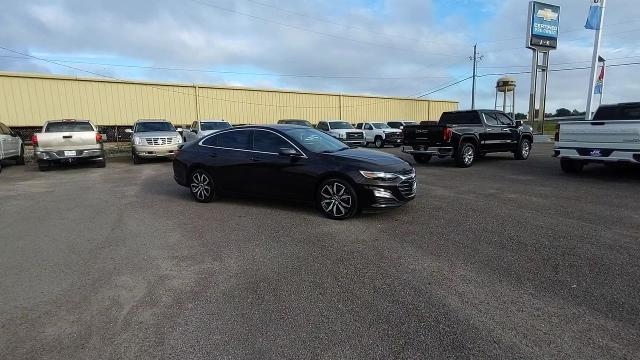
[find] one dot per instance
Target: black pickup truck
(468, 135)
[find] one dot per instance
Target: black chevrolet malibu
(295, 163)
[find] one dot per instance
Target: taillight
(556, 138)
(447, 134)
(34, 140)
(98, 138)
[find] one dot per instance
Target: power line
(206, 3)
(444, 87)
(196, 95)
(235, 72)
(319, 19)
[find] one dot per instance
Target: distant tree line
(562, 112)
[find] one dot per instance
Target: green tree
(521, 116)
(563, 112)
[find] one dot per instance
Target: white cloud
(402, 38)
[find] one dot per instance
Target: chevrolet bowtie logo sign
(547, 14)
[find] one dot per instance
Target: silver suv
(153, 139)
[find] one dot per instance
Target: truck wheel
(20, 159)
(524, 150)
(379, 142)
(422, 159)
(466, 155)
(571, 166)
(136, 159)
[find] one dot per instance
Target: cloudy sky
(386, 47)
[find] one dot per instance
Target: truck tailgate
(67, 141)
(601, 134)
(430, 135)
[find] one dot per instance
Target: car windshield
(214, 125)
(381, 126)
(296, 122)
(68, 126)
(149, 126)
(316, 141)
(410, 123)
(338, 125)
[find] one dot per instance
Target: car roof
(213, 120)
(273, 127)
(152, 120)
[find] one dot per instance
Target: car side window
(211, 141)
(237, 139)
(368, 127)
(359, 126)
(491, 119)
(266, 141)
(504, 120)
(323, 126)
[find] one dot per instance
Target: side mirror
(288, 152)
(128, 131)
(518, 123)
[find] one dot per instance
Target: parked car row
(11, 146)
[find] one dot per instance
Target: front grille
(394, 136)
(408, 188)
(159, 141)
(355, 136)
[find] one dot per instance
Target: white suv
(202, 128)
(343, 131)
(380, 134)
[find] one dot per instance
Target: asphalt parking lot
(507, 259)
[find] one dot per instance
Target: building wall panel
(29, 100)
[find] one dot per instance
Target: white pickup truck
(380, 134)
(68, 141)
(611, 137)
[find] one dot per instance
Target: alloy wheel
(526, 149)
(201, 186)
(467, 155)
(336, 199)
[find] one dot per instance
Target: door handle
(506, 130)
(67, 137)
(489, 129)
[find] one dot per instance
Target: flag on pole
(594, 20)
(600, 82)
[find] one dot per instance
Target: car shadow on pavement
(608, 172)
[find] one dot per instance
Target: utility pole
(476, 57)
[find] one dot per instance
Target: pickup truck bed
(613, 136)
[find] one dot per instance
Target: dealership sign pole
(542, 36)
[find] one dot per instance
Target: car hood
(156, 134)
(373, 158)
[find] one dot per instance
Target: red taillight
(98, 138)
(34, 140)
(446, 135)
(556, 138)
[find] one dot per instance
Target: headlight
(137, 141)
(340, 135)
(378, 175)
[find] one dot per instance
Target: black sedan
(295, 163)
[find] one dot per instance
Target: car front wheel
(337, 199)
(379, 142)
(202, 186)
(524, 150)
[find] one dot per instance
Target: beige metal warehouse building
(27, 100)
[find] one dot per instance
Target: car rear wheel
(337, 199)
(202, 186)
(571, 166)
(20, 159)
(524, 150)
(422, 159)
(466, 155)
(379, 142)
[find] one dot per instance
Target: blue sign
(544, 25)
